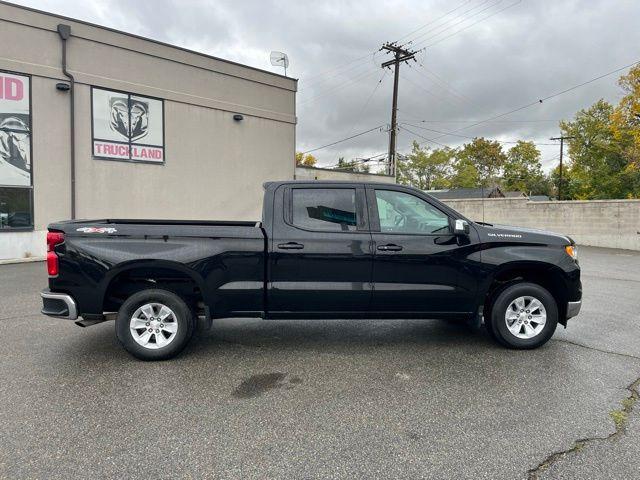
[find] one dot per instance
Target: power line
(352, 63)
(429, 92)
(381, 154)
(469, 137)
(364, 73)
(431, 140)
(373, 54)
(357, 161)
(432, 21)
(357, 62)
(442, 82)
(473, 121)
(347, 83)
(355, 66)
(541, 100)
(366, 103)
(346, 64)
(461, 19)
(343, 140)
(470, 25)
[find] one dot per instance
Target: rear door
(417, 260)
(320, 260)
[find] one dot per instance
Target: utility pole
(562, 138)
(399, 55)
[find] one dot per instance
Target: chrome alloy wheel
(153, 326)
(525, 317)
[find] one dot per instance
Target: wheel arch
(547, 275)
(130, 277)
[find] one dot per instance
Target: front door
(417, 258)
(320, 251)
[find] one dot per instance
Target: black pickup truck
(322, 250)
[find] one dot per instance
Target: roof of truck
(332, 182)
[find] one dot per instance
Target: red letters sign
(124, 152)
(15, 130)
(11, 88)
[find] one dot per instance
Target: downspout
(65, 32)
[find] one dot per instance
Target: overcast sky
(477, 59)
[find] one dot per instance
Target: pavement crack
(610, 352)
(620, 418)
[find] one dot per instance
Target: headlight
(572, 251)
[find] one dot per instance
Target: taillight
(53, 239)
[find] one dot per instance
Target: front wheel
(523, 316)
(154, 324)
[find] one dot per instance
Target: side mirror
(461, 227)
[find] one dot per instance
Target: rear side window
(329, 210)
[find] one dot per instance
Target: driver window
(401, 212)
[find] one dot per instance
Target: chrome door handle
(391, 247)
(290, 246)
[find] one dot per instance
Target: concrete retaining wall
(314, 173)
(598, 223)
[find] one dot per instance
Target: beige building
(158, 131)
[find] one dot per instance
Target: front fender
(546, 265)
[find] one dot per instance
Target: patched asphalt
(322, 399)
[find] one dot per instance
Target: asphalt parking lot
(325, 399)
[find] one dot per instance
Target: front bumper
(58, 305)
(573, 308)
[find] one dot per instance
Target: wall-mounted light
(63, 87)
(238, 118)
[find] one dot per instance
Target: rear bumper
(573, 308)
(58, 305)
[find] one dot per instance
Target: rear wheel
(154, 324)
(523, 316)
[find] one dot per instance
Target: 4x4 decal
(96, 230)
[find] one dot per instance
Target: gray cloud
(508, 59)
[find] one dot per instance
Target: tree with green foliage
(625, 124)
(424, 168)
(597, 163)
(605, 148)
(523, 170)
(487, 157)
(570, 182)
(464, 174)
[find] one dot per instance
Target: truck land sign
(127, 127)
(15, 130)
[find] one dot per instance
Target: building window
(127, 127)
(15, 208)
(16, 184)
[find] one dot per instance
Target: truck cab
(321, 250)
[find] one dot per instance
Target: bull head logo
(129, 118)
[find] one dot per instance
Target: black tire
(497, 326)
(182, 315)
